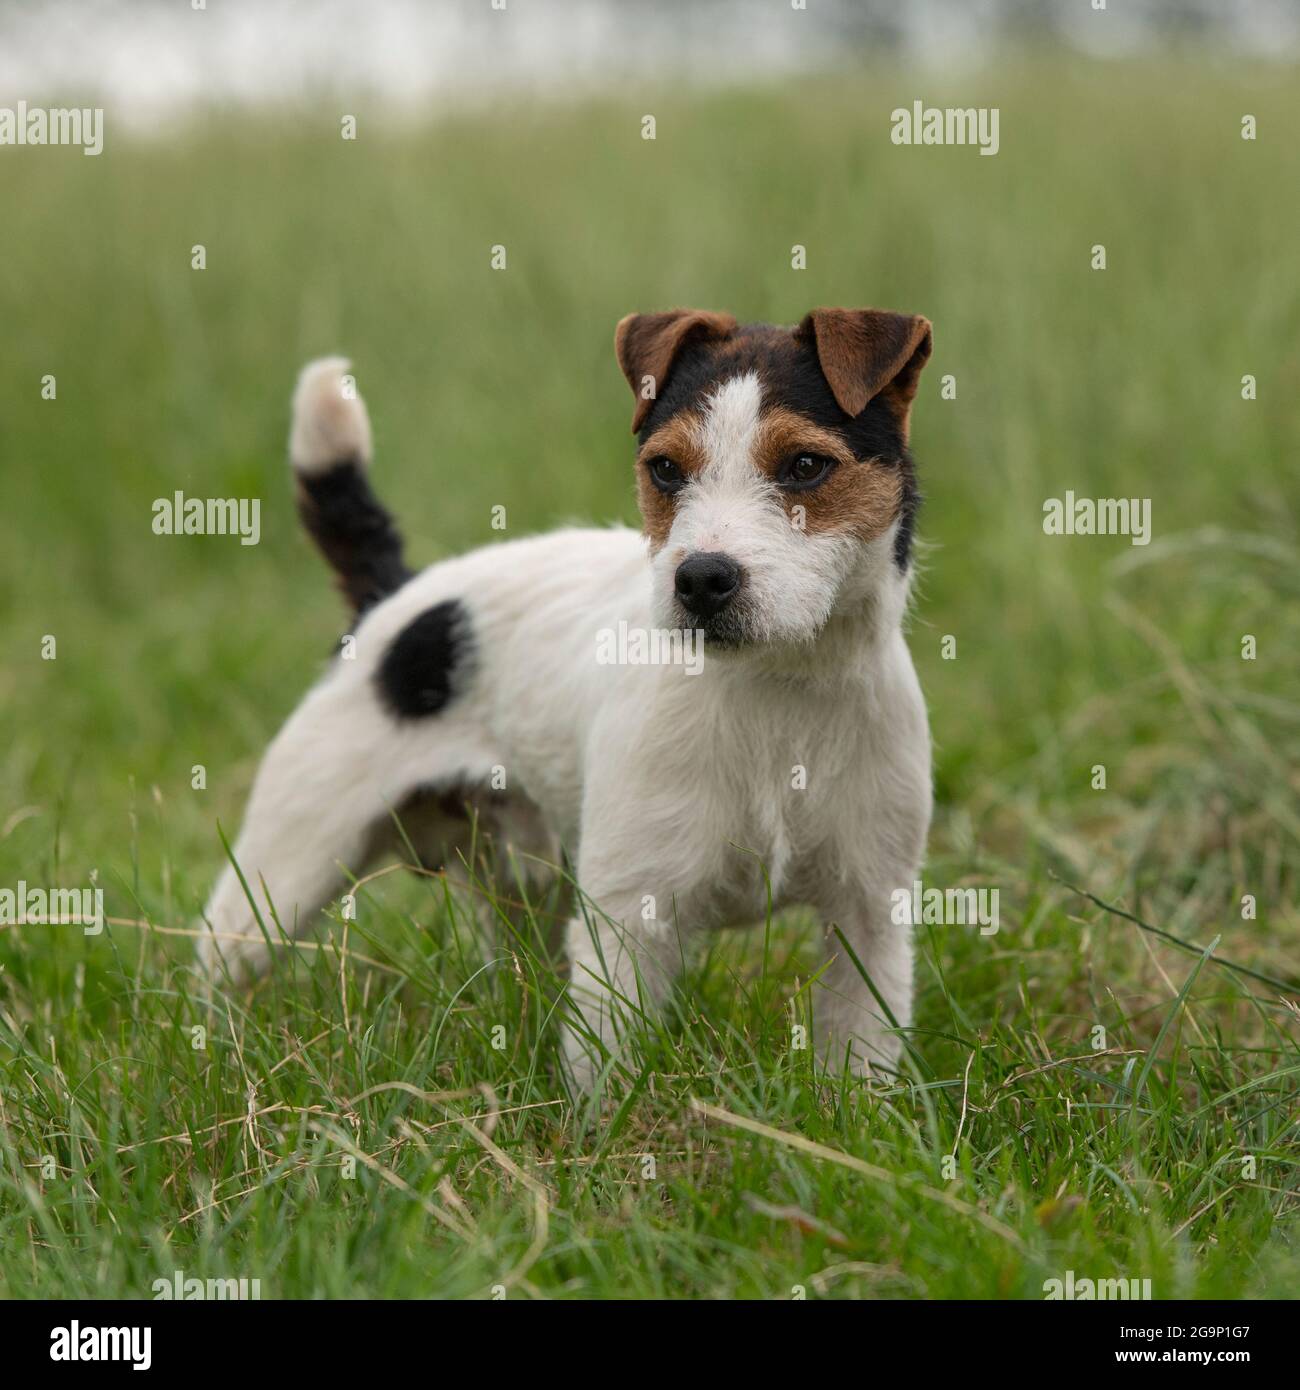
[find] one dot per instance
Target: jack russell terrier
(778, 499)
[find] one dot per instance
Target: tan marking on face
(679, 440)
(860, 497)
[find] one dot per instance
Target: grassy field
(355, 1131)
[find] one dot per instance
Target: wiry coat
(797, 756)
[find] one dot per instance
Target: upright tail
(329, 449)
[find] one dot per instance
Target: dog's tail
(329, 449)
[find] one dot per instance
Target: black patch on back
(354, 531)
(426, 663)
(791, 376)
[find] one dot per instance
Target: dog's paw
(872, 1050)
(241, 959)
(584, 1062)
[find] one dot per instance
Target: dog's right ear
(646, 345)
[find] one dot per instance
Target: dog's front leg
(622, 963)
(850, 1022)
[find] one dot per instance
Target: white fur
(329, 425)
(792, 580)
(671, 790)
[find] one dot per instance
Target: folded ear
(646, 345)
(864, 352)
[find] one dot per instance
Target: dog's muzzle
(706, 583)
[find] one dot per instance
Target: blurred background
(152, 59)
(522, 128)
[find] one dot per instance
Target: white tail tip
(330, 424)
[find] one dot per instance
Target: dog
(778, 500)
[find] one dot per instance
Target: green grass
(129, 1151)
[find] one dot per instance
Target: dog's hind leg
(320, 807)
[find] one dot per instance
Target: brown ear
(646, 345)
(864, 352)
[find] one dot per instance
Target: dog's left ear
(646, 345)
(865, 353)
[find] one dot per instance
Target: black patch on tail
(426, 662)
(354, 532)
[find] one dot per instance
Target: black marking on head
(354, 531)
(426, 663)
(791, 377)
(908, 506)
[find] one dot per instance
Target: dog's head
(772, 466)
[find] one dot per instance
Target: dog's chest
(785, 793)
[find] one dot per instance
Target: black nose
(706, 582)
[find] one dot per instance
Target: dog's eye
(665, 474)
(806, 470)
